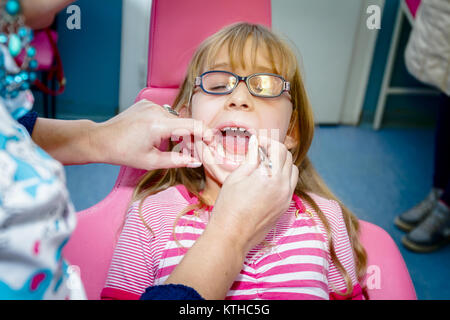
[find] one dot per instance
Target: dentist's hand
(40, 14)
(248, 206)
(134, 136)
(131, 138)
(253, 197)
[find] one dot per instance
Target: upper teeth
(234, 129)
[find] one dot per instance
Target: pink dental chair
(177, 27)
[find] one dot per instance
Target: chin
(220, 168)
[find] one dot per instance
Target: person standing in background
(427, 58)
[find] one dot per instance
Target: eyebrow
(226, 66)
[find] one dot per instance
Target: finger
(287, 166)
(252, 157)
(203, 153)
(279, 155)
(209, 161)
(172, 159)
(276, 152)
(265, 142)
(186, 127)
(251, 161)
(294, 177)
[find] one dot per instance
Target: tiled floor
(378, 175)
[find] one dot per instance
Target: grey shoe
(432, 233)
(411, 218)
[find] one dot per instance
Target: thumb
(251, 161)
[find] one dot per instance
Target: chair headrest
(178, 27)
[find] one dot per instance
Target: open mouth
(231, 144)
(235, 140)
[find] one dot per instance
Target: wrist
(96, 142)
(211, 264)
(227, 239)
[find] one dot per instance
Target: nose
(240, 98)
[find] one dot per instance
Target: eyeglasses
(266, 85)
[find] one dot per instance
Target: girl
(313, 252)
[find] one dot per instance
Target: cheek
(204, 109)
(198, 110)
(285, 119)
(197, 113)
(277, 121)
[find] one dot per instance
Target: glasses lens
(218, 82)
(266, 85)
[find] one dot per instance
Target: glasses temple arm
(286, 86)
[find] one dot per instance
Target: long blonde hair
(284, 61)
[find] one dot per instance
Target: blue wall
(91, 58)
(400, 109)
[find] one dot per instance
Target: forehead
(247, 57)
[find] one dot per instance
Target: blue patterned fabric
(36, 215)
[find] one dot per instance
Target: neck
(211, 190)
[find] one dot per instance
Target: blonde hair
(284, 62)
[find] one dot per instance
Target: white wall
(324, 32)
(134, 50)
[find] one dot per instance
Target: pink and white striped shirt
(296, 264)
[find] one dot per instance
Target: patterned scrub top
(36, 214)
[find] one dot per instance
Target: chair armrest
(387, 276)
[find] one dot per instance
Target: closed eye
(221, 87)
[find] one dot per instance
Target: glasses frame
(199, 83)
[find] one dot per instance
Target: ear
(290, 142)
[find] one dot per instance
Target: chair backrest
(177, 27)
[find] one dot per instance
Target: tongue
(235, 144)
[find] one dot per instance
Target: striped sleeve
(344, 252)
(130, 272)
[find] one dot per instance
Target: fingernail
(253, 141)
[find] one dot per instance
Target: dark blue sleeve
(28, 121)
(171, 292)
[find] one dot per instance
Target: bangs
(262, 41)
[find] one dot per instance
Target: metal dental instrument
(263, 157)
(170, 110)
